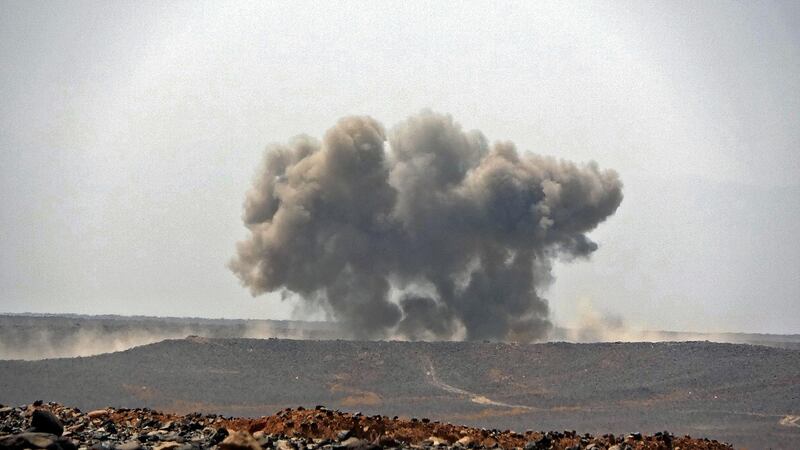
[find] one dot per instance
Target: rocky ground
(53, 426)
(743, 394)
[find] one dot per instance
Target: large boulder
(35, 441)
(43, 421)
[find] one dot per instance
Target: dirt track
(473, 397)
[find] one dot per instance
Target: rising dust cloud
(424, 231)
(34, 337)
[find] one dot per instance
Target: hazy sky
(129, 132)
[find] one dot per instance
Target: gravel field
(55, 427)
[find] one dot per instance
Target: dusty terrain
(32, 336)
(743, 394)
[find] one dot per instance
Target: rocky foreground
(53, 426)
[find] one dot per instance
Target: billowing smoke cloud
(434, 235)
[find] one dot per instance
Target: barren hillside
(743, 394)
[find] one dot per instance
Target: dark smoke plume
(434, 236)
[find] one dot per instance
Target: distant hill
(744, 394)
(39, 336)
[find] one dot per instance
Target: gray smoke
(435, 235)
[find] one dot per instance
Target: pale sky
(130, 132)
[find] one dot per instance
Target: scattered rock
(219, 435)
(142, 429)
(97, 413)
(130, 445)
(283, 444)
(35, 440)
(437, 441)
(240, 440)
(387, 442)
(43, 421)
(353, 442)
(542, 443)
(465, 441)
(169, 445)
(343, 434)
